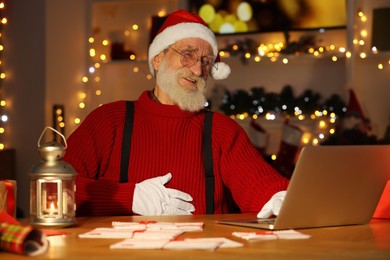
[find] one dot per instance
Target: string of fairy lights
(3, 102)
(360, 42)
(273, 52)
(99, 53)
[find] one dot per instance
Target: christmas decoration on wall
(334, 122)
(248, 48)
(259, 102)
(305, 114)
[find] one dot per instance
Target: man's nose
(197, 69)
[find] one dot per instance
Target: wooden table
(370, 241)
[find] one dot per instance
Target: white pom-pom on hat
(220, 70)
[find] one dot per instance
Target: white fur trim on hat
(181, 31)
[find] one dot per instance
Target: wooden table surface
(371, 241)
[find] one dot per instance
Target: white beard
(192, 100)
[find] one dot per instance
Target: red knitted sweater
(165, 139)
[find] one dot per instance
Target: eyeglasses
(189, 58)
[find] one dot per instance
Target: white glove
(152, 198)
(272, 207)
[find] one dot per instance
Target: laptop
(330, 186)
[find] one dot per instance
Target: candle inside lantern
(50, 206)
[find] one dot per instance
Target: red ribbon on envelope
(10, 197)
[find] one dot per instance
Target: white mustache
(190, 76)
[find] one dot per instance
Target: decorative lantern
(52, 186)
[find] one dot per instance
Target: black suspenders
(208, 155)
(126, 141)
(208, 162)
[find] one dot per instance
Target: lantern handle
(44, 130)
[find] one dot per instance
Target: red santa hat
(181, 25)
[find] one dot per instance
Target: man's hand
(272, 207)
(152, 198)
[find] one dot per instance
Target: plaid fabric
(12, 237)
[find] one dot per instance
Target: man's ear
(156, 61)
